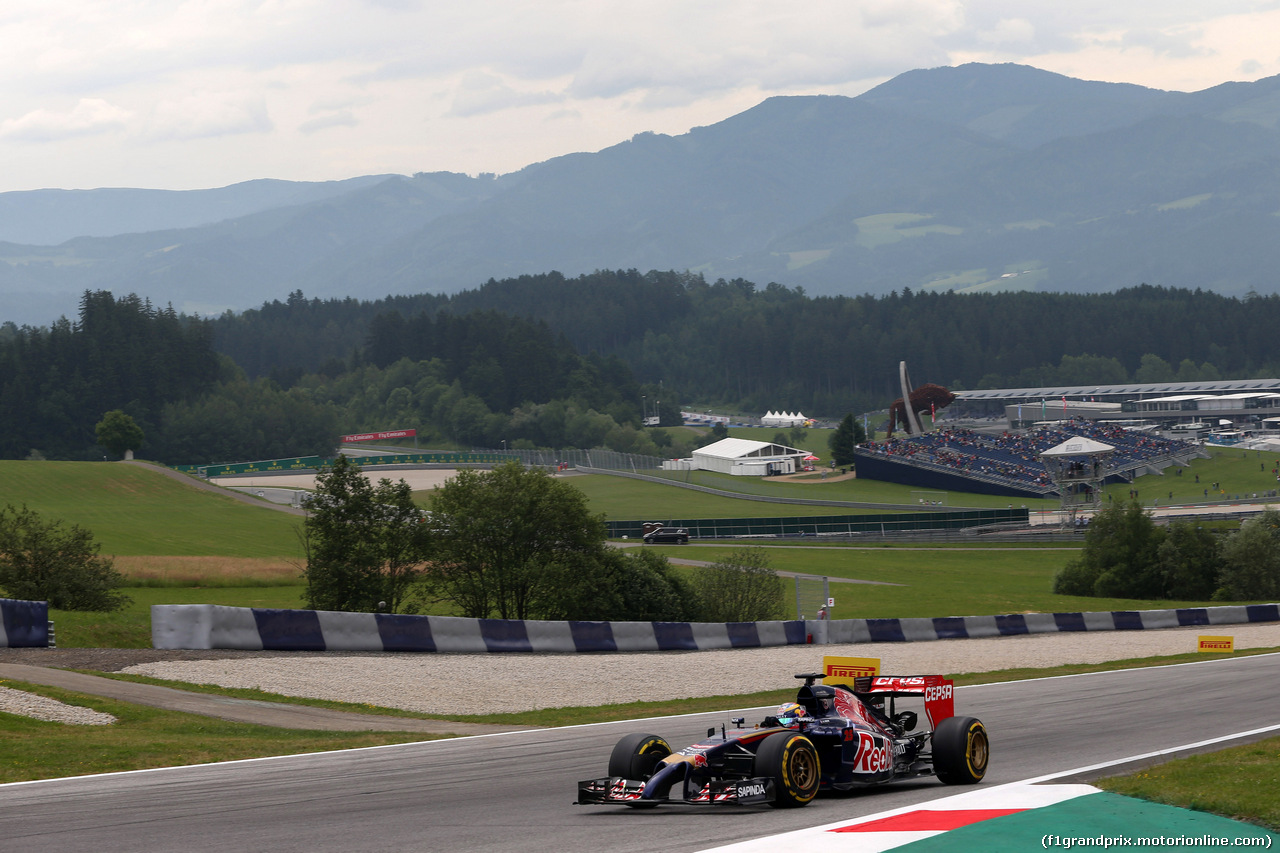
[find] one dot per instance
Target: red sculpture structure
(926, 398)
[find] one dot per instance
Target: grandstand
(1009, 464)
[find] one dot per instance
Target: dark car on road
(656, 533)
(835, 737)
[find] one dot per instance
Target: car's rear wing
(938, 692)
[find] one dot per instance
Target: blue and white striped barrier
(211, 626)
(24, 624)
(968, 627)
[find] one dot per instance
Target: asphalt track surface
(514, 791)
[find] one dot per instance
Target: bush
(1119, 557)
(1126, 556)
(43, 561)
(1251, 561)
(623, 586)
(740, 588)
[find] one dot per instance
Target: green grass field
(133, 511)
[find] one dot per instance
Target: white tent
(783, 419)
(741, 456)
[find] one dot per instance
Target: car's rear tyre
(960, 751)
(636, 756)
(791, 761)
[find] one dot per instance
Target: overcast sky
(181, 95)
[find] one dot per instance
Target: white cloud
(479, 92)
(338, 118)
(90, 116)
(201, 116)
(1009, 31)
(492, 85)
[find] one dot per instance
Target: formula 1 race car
(833, 737)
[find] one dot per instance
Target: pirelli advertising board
(1217, 644)
(842, 670)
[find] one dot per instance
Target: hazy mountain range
(976, 177)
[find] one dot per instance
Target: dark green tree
(623, 586)
(1119, 559)
(43, 561)
(847, 436)
(1251, 561)
(118, 433)
(1190, 561)
(364, 544)
(742, 587)
(507, 538)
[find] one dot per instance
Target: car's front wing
(618, 791)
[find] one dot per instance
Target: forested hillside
(57, 382)
(549, 361)
(754, 349)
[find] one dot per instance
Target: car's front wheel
(791, 761)
(636, 756)
(960, 751)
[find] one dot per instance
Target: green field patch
(958, 280)
(1185, 203)
(884, 228)
(929, 582)
(133, 510)
(796, 260)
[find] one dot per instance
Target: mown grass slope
(133, 510)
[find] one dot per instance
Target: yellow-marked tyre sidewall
(792, 762)
(636, 756)
(961, 750)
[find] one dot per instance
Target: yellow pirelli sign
(838, 670)
(1217, 644)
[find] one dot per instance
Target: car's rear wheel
(791, 761)
(636, 756)
(960, 751)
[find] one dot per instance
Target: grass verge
(1238, 782)
(145, 738)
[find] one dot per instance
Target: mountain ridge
(974, 177)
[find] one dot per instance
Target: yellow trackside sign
(1217, 644)
(838, 670)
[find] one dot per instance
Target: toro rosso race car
(833, 737)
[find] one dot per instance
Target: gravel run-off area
(50, 710)
(459, 684)
(450, 684)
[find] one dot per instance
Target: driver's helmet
(789, 714)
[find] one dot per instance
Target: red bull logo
(874, 755)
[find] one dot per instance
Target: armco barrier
(24, 624)
(210, 626)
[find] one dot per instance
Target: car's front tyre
(791, 761)
(636, 756)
